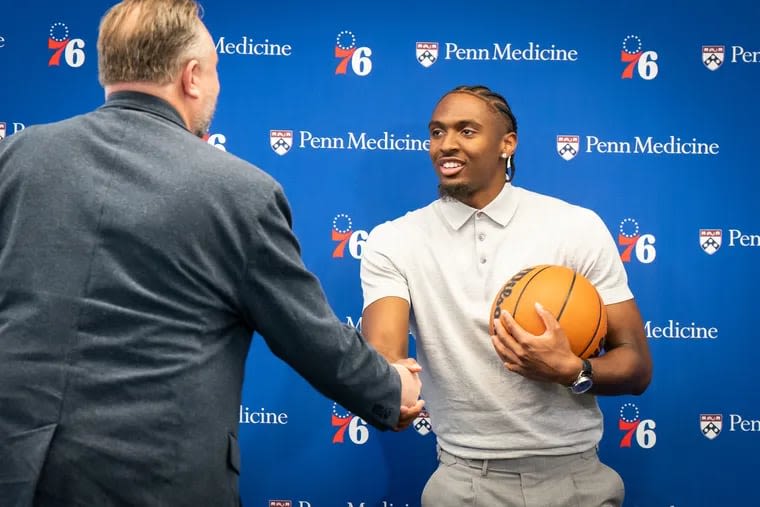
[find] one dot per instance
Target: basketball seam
(598, 323)
(567, 297)
(525, 286)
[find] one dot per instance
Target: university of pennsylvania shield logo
(281, 141)
(568, 146)
(2, 130)
(710, 425)
(422, 423)
(713, 56)
(427, 53)
(710, 240)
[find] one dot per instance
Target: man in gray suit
(136, 261)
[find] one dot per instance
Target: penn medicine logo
(710, 240)
(427, 53)
(422, 423)
(250, 46)
(282, 141)
(713, 56)
(570, 145)
(4, 128)
(710, 425)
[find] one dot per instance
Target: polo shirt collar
(500, 210)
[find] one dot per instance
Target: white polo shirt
(449, 260)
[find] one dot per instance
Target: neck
(167, 92)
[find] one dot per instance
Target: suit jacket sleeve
(285, 303)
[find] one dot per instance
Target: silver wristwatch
(585, 379)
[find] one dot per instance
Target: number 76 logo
(642, 432)
(635, 243)
(644, 62)
(346, 50)
(344, 235)
(71, 49)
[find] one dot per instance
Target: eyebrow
(458, 124)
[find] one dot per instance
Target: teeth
(449, 165)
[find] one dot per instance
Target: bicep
(385, 325)
(626, 366)
(624, 326)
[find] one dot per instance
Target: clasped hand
(411, 385)
(546, 357)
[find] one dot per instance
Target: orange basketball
(568, 295)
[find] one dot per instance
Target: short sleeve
(600, 261)
(382, 265)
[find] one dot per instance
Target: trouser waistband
(516, 465)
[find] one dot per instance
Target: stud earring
(503, 155)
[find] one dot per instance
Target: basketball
(567, 295)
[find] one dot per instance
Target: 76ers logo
(343, 233)
(348, 423)
(642, 245)
(640, 431)
(61, 44)
(643, 62)
(358, 57)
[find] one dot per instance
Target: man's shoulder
(554, 208)
(406, 223)
(229, 163)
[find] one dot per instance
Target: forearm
(620, 371)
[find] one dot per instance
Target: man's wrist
(572, 373)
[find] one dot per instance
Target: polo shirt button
(481, 236)
(478, 214)
(482, 260)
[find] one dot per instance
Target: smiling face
(467, 139)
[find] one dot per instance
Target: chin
(454, 190)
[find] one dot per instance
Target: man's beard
(202, 122)
(454, 191)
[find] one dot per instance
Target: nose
(449, 142)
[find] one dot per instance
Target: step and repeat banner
(646, 112)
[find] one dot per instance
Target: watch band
(585, 379)
(587, 369)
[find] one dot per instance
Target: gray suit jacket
(136, 261)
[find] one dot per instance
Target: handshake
(411, 406)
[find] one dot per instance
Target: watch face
(582, 385)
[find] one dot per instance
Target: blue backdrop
(645, 112)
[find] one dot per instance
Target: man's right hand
(411, 406)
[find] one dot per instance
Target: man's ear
(189, 78)
(509, 143)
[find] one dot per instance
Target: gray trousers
(574, 480)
